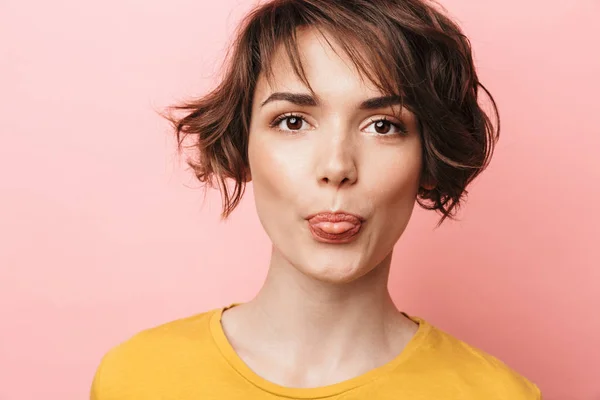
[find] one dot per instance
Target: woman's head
(356, 106)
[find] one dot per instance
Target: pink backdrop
(102, 236)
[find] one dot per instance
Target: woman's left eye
(382, 126)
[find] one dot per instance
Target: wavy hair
(407, 48)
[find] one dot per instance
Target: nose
(337, 164)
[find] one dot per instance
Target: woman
(342, 114)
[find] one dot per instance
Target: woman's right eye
(289, 123)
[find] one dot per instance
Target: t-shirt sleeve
(104, 385)
(96, 389)
(538, 392)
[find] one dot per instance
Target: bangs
(368, 47)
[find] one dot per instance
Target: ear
(248, 175)
(427, 182)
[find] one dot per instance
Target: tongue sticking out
(334, 228)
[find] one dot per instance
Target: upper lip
(335, 216)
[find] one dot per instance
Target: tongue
(334, 228)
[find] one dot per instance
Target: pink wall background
(101, 235)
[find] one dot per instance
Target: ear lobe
(427, 183)
(248, 175)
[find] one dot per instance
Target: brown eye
(293, 123)
(290, 123)
(382, 126)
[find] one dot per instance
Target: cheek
(393, 192)
(394, 178)
(276, 167)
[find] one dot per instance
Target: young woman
(343, 114)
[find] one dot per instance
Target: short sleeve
(96, 389)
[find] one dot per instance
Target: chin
(333, 270)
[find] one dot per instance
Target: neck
(299, 331)
(301, 311)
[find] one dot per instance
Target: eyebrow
(302, 99)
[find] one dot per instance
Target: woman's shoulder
(468, 366)
(176, 332)
(155, 352)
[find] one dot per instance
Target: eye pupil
(294, 123)
(382, 126)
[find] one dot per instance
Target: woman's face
(335, 177)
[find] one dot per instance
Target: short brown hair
(409, 48)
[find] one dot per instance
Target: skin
(324, 313)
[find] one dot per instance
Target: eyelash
(401, 128)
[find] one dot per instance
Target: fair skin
(324, 313)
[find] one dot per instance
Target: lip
(334, 227)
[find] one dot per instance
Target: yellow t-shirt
(191, 358)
